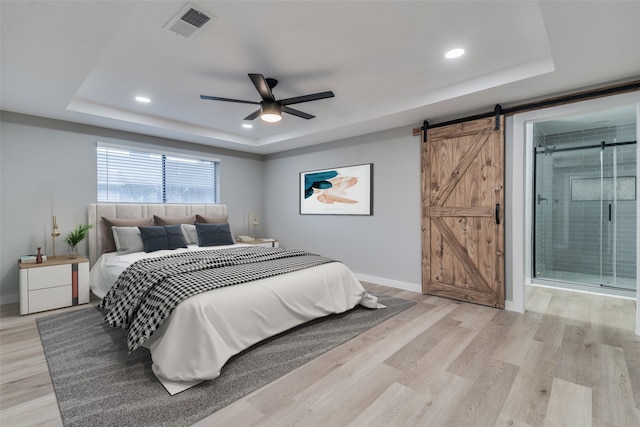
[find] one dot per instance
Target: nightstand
(267, 243)
(58, 282)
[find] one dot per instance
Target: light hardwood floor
(571, 360)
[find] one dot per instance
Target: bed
(204, 330)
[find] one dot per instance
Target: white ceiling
(84, 61)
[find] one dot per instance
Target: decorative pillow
(127, 240)
(214, 234)
(190, 234)
(172, 220)
(212, 219)
(108, 244)
(162, 237)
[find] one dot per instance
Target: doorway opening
(584, 208)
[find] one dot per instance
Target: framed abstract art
(343, 190)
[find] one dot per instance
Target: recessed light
(143, 99)
(247, 125)
(454, 53)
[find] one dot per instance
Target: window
(126, 175)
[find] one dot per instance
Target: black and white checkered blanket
(146, 293)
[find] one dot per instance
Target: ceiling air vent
(188, 21)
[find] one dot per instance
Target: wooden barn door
(463, 211)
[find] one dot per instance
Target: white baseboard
(508, 305)
(511, 306)
(586, 290)
(390, 282)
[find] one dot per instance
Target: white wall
(515, 196)
(49, 167)
(385, 247)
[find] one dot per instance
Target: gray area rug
(98, 384)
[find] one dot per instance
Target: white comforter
(204, 331)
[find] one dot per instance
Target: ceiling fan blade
(297, 112)
(216, 98)
(263, 88)
(306, 98)
(253, 115)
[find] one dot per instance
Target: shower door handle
(497, 213)
(609, 212)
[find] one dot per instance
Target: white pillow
(190, 234)
(127, 239)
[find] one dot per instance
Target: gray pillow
(127, 239)
(214, 234)
(108, 244)
(161, 237)
(190, 234)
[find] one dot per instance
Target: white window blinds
(130, 175)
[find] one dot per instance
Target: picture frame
(345, 190)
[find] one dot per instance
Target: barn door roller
(497, 110)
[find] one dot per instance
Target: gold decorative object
(55, 232)
(253, 221)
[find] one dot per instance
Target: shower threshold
(587, 283)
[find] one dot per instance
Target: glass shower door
(584, 217)
(619, 201)
(608, 210)
(584, 225)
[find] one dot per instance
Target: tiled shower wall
(568, 232)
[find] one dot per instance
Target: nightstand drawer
(48, 299)
(49, 277)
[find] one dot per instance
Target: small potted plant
(74, 237)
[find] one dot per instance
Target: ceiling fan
(271, 109)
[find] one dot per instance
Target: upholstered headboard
(134, 210)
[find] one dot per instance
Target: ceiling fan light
(271, 113)
(270, 117)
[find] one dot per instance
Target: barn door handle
(609, 212)
(497, 213)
